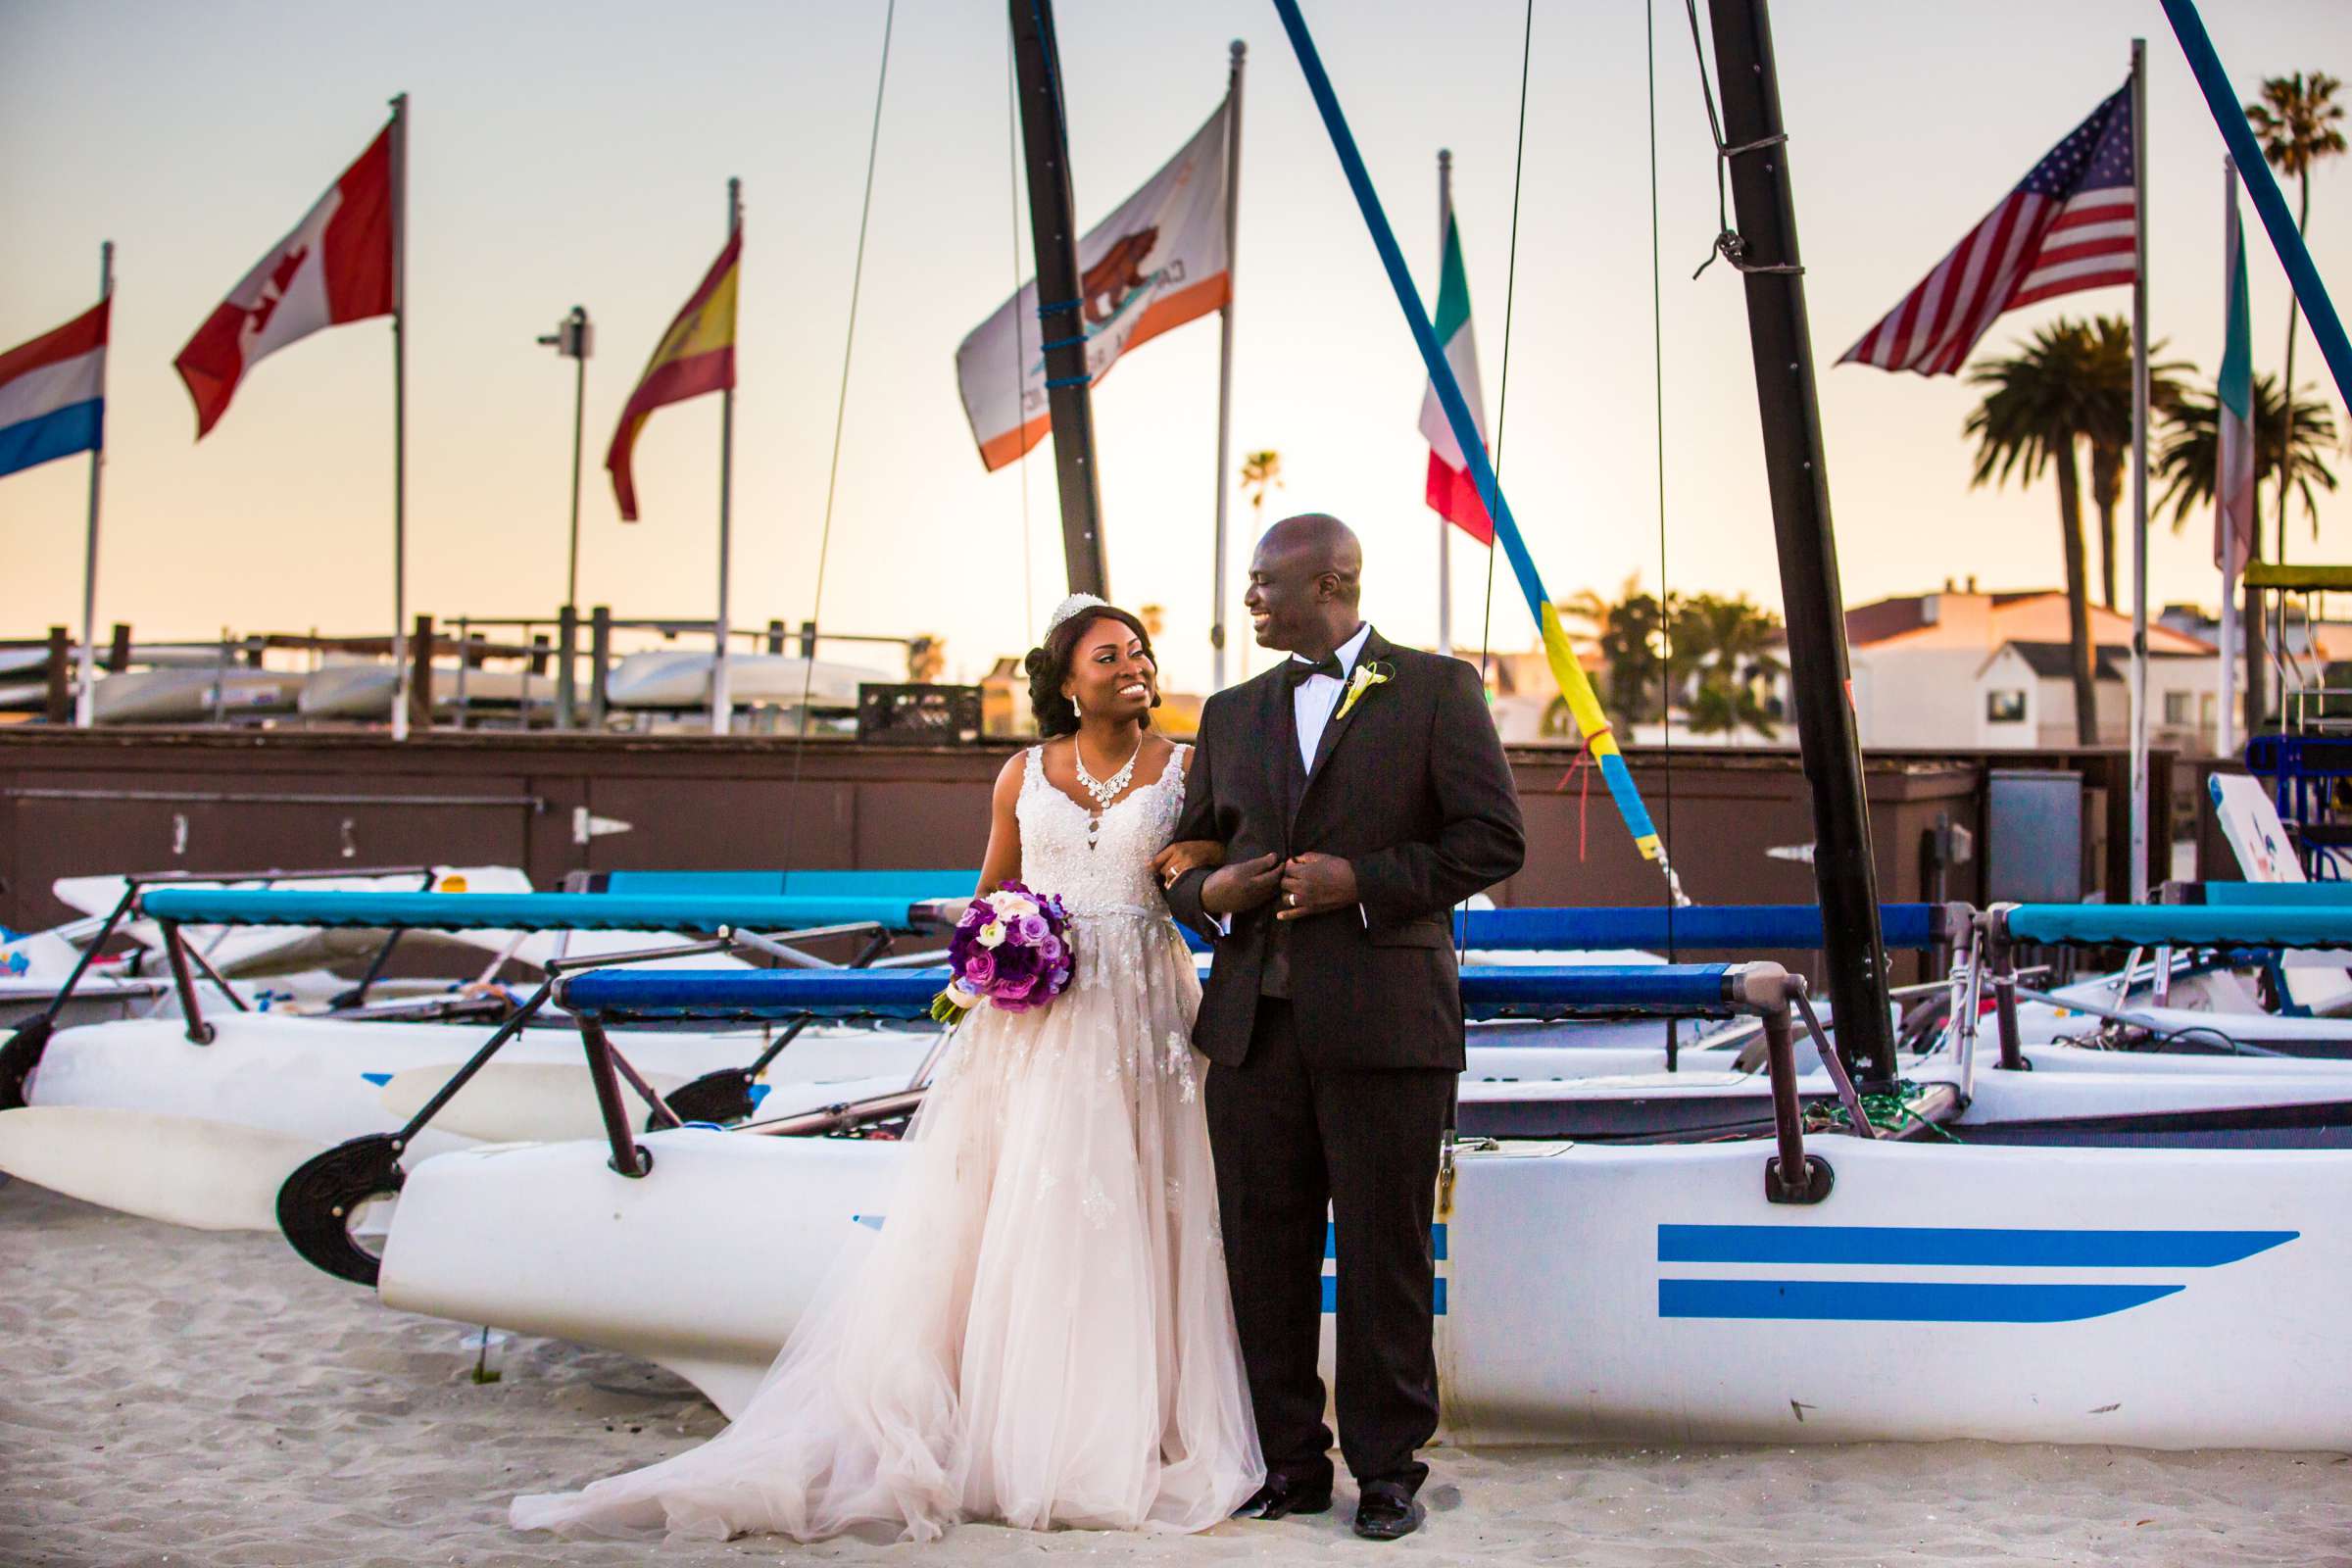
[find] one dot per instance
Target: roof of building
(2055, 661)
(1958, 618)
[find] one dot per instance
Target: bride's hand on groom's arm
(1244, 885)
(1187, 855)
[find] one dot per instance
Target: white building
(1993, 671)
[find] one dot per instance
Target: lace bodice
(1115, 876)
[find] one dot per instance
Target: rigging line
(841, 409)
(1013, 152)
(1727, 243)
(1657, 382)
(1502, 382)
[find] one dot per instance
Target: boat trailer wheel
(722, 1097)
(18, 1057)
(315, 1205)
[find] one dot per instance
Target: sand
(174, 1396)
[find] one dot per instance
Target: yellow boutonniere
(1368, 675)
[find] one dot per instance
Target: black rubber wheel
(315, 1205)
(720, 1096)
(18, 1057)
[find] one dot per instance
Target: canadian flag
(336, 267)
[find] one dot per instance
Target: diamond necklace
(1103, 790)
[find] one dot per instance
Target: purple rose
(1032, 928)
(978, 969)
(1051, 950)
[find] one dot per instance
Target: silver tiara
(1070, 606)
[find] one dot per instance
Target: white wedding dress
(1041, 1334)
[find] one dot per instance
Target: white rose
(992, 934)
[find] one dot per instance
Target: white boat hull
(680, 677)
(1577, 1306)
(366, 691)
(192, 696)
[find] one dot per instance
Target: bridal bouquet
(1011, 949)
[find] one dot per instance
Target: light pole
(575, 339)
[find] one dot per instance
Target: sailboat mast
(1061, 292)
(1748, 83)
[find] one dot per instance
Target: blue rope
(1068, 381)
(2262, 186)
(1062, 343)
(1044, 310)
(1441, 374)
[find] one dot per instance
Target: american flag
(2073, 224)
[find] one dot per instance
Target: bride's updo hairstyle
(1049, 665)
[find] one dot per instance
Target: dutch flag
(52, 393)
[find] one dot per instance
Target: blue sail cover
(622, 993)
(704, 900)
(528, 912)
(1717, 927)
(2184, 925)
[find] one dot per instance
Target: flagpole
(1233, 231)
(400, 402)
(1445, 523)
(86, 697)
(2225, 533)
(2140, 472)
(722, 706)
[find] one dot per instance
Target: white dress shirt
(1318, 696)
(1312, 706)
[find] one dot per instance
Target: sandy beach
(180, 1397)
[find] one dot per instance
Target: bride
(1041, 1334)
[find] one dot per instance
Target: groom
(1360, 792)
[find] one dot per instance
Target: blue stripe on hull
(1331, 1296)
(75, 427)
(1936, 1245)
(1901, 1300)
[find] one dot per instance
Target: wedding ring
(1293, 898)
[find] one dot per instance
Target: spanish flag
(697, 354)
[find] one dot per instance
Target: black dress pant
(1292, 1142)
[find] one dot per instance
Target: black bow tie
(1299, 669)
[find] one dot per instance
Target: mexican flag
(1451, 492)
(2234, 515)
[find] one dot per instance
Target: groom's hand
(1243, 885)
(1315, 884)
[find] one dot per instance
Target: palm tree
(1728, 645)
(2040, 404)
(2190, 456)
(1260, 472)
(2296, 122)
(1634, 642)
(2110, 430)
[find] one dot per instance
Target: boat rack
(603, 997)
(22, 1051)
(2231, 917)
(317, 1201)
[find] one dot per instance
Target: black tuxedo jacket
(1412, 789)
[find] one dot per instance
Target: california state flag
(1451, 492)
(1157, 262)
(336, 267)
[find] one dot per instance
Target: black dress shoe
(1387, 1510)
(1281, 1496)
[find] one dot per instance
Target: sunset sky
(581, 153)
